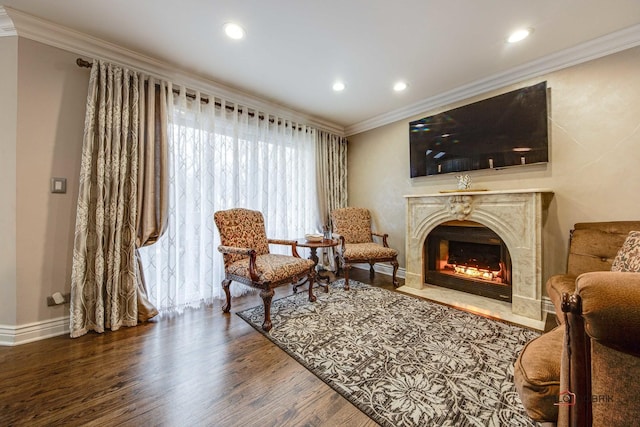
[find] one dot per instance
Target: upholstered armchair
(545, 371)
(592, 247)
(245, 250)
(600, 368)
(352, 227)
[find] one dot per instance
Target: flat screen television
(502, 131)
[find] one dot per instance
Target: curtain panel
(121, 198)
(222, 155)
(331, 181)
(331, 167)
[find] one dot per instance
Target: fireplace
(515, 216)
(468, 257)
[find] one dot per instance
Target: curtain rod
(86, 64)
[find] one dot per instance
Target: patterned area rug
(401, 360)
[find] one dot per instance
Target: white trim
(547, 305)
(381, 268)
(6, 24)
(593, 49)
(51, 34)
(22, 334)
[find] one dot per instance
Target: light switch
(58, 185)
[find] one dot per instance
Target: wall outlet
(58, 299)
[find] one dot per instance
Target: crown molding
(596, 48)
(14, 22)
(46, 32)
(6, 24)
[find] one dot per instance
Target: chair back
(242, 228)
(594, 245)
(354, 224)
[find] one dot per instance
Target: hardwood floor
(203, 368)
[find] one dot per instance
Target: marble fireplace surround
(515, 215)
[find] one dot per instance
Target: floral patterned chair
(352, 226)
(245, 250)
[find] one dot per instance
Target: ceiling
(294, 50)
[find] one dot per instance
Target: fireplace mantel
(517, 216)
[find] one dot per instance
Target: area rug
(401, 360)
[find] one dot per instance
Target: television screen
(505, 130)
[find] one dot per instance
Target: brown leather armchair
(540, 372)
(601, 364)
(352, 226)
(247, 260)
(592, 247)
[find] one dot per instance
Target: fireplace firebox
(468, 257)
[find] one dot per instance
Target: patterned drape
(221, 156)
(331, 180)
(121, 157)
(331, 172)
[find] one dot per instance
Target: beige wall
(594, 166)
(8, 104)
(51, 98)
(594, 138)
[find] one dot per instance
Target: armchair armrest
(384, 238)
(340, 238)
(292, 243)
(251, 253)
(611, 308)
(604, 308)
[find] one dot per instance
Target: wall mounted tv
(505, 130)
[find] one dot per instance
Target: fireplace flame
(476, 273)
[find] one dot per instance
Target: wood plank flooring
(203, 368)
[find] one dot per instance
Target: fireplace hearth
(469, 258)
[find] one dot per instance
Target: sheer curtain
(222, 156)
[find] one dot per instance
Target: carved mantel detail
(460, 206)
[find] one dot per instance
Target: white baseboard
(382, 268)
(547, 305)
(22, 334)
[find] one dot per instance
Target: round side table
(313, 246)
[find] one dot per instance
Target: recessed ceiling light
(519, 35)
(233, 31)
(338, 86)
(399, 86)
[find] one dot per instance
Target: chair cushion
(628, 257)
(537, 375)
(272, 267)
(367, 251)
(354, 224)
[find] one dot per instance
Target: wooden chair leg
(267, 295)
(312, 278)
(225, 287)
(394, 263)
(346, 267)
(372, 272)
